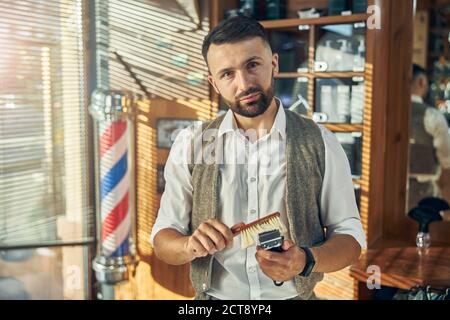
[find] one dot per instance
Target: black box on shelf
(336, 7)
(260, 9)
(359, 6)
(252, 8)
(275, 9)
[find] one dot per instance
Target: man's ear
(275, 64)
(423, 81)
(213, 83)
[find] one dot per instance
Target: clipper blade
(250, 231)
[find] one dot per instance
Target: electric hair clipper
(272, 240)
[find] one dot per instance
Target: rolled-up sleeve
(176, 200)
(339, 212)
(436, 125)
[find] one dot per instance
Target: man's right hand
(210, 237)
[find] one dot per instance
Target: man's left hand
(281, 266)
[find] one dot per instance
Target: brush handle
(237, 228)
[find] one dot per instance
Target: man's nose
(243, 81)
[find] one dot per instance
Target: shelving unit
(328, 287)
(309, 73)
(312, 75)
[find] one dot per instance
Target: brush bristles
(248, 235)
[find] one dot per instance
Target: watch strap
(310, 262)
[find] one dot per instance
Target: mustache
(248, 92)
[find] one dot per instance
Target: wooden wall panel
(155, 279)
(375, 116)
(421, 29)
(398, 43)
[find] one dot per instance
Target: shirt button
(204, 286)
(251, 269)
(252, 179)
(253, 211)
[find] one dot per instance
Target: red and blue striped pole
(114, 144)
(114, 188)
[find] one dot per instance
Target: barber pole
(114, 188)
(115, 205)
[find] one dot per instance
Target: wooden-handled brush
(252, 229)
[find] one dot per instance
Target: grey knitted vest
(305, 168)
(422, 154)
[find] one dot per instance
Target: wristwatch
(310, 262)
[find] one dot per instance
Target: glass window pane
(339, 100)
(292, 48)
(292, 90)
(352, 144)
(340, 47)
(44, 179)
(44, 273)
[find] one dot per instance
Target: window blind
(153, 49)
(44, 172)
(161, 43)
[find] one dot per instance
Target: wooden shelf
(436, 55)
(343, 127)
(284, 75)
(405, 267)
(289, 23)
(348, 74)
(441, 31)
(392, 242)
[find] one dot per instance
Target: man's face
(420, 86)
(425, 85)
(242, 73)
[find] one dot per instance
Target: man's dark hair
(233, 30)
(417, 71)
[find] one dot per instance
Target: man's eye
(226, 75)
(252, 65)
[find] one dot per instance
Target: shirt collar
(416, 98)
(229, 122)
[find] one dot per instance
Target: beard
(254, 108)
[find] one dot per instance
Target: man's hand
(210, 237)
(281, 266)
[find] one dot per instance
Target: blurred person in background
(429, 146)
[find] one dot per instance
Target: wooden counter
(403, 268)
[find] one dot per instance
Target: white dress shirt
(254, 189)
(436, 125)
